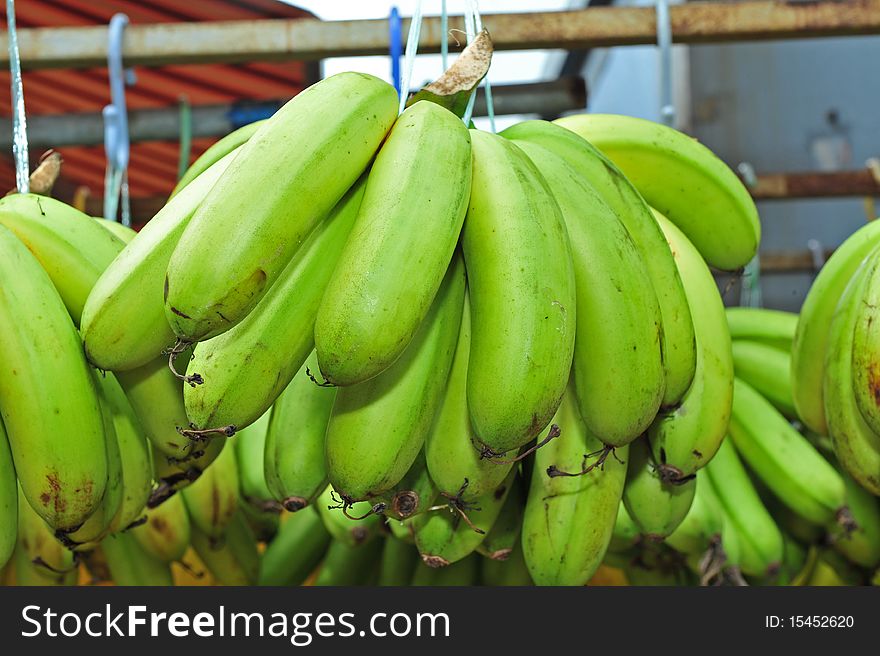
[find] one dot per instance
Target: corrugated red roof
(153, 165)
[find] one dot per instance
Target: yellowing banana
(166, 533)
(677, 337)
(618, 364)
(377, 428)
(48, 400)
(522, 295)
(681, 178)
(285, 180)
(246, 368)
(233, 559)
(685, 438)
(394, 262)
(40, 559)
(812, 338)
(212, 500)
(130, 564)
(123, 321)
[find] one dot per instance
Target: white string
(473, 26)
(412, 46)
(490, 104)
(19, 126)
(470, 31)
(444, 35)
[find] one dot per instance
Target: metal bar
(838, 184)
(287, 39)
(59, 130)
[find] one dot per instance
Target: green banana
(353, 524)
(856, 445)
(701, 528)
(784, 460)
(771, 327)
(812, 339)
(618, 364)
(71, 248)
(8, 500)
(758, 538)
(403, 530)
(263, 520)
(399, 561)
(246, 368)
(379, 293)
(349, 565)
(232, 560)
(459, 574)
(212, 500)
(134, 453)
(123, 320)
(504, 536)
(249, 445)
(677, 336)
(511, 571)
(559, 548)
(862, 544)
(454, 462)
(130, 565)
(222, 266)
(656, 506)
(363, 462)
(166, 533)
(215, 152)
(833, 569)
(40, 559)
(625, 534)
(685, 438)
(522, 295)
(48, 400)
(294, 454)
(446, 536)
(682, 179)
(115, 228)
(866, 352)
(768, 370)
(299, 546)
(413, 494)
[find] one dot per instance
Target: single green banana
(462, 573)
(677, 336)
(379, 293)
(294, 454)
(701, 528)
(299, 546)
(759, 540)
(131, 565)
(353, 524)
(166, 533)
(399, 561)
(866, 351)
(685, 438)
(115, 228)
(72, 249)
(784, 460)
(812, 340)
(768, 370)
(40, 559)
(454, 462)
(323, 140)
(212, 500)
(682, 179)
(862, 544)
(346, 565)
(446, 536)
(618, 363)
(771, 327)
(134, 452)
(8, 500)
(511, 571)
(559, 548)
(123, 320)
(249, 445)
(215, 152)
(504, 536)
(234, 559)
(522, 294)
(656, 506)
(48, 400)
(625, 534)
(246, 368)
(363, 462)
(856, 445)
(413, 494)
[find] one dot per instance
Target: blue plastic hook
(395, 37)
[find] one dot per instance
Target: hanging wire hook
(395, 37)
(19, 127)
(116, 140)
(412, 47)
(444, 35)
(664, 42)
